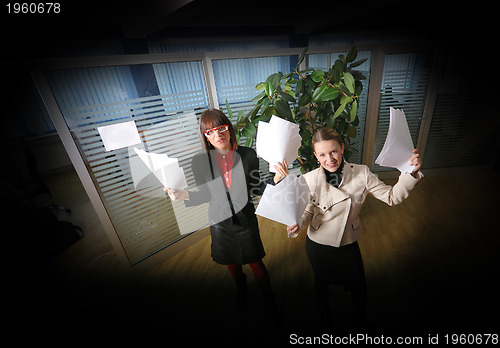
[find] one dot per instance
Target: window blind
(404, 86)
(236, 79)
(144, 218)
(464, 124)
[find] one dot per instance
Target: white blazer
(332, 213)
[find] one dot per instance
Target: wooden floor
(431, 265)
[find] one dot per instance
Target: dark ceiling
(35, 35)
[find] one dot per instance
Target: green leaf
(269, 88)
(358, 63)
(346, 100)
(351, 56)
(266, 102)
(357, 75)
(298, 87)
(265, 105)
(249, 131)
(349, 82)
(289, 90)
(282, 108)
(324, 93)
(302, 56)
(270, 111)
(272, 82)
(308, 81)
(229, 112)
(249, 142)
(263, 118)
(330, 123)
(287, 96)
(352, 132)
(240, 117)
(354, 111)
(253, 113)
(344, 89)
(304, 99)
(258, 97)
(317, 92)
(275, 79)
(339, 66)
(340, 108)
(260, 86)
(318, 75)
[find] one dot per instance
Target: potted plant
(311, 98)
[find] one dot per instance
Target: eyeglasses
(212, 131)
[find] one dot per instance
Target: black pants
(338, 266)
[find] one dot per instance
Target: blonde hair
(324, 134)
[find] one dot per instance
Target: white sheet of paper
(277, 140)
(166, 169)
(117, 136)
(398, 145)
(286, 201)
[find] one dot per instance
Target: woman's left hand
(415, 161)
(281, 171)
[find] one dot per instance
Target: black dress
(233, 225)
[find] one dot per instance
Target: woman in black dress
(227, 175)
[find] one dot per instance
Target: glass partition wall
(164, 101)
(164, 94)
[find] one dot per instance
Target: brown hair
(214, 118)
(324, 134)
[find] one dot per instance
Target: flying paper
(286, 201)
(398, 146)
(166, 169)
(117, 136)
(278, 140)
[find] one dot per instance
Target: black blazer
(225, 203)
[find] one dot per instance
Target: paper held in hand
(277, 140)
(286, 201)
(166, 169)
(398, 146)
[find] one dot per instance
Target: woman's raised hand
(293, 231)
(415, 161)
(281, 171)
(177, 195)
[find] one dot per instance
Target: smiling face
(329, 154)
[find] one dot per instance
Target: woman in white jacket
(338, 190)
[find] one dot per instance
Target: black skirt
(337, 265)
(237, 242)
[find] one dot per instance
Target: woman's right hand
(293, 231)
(177, 195)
